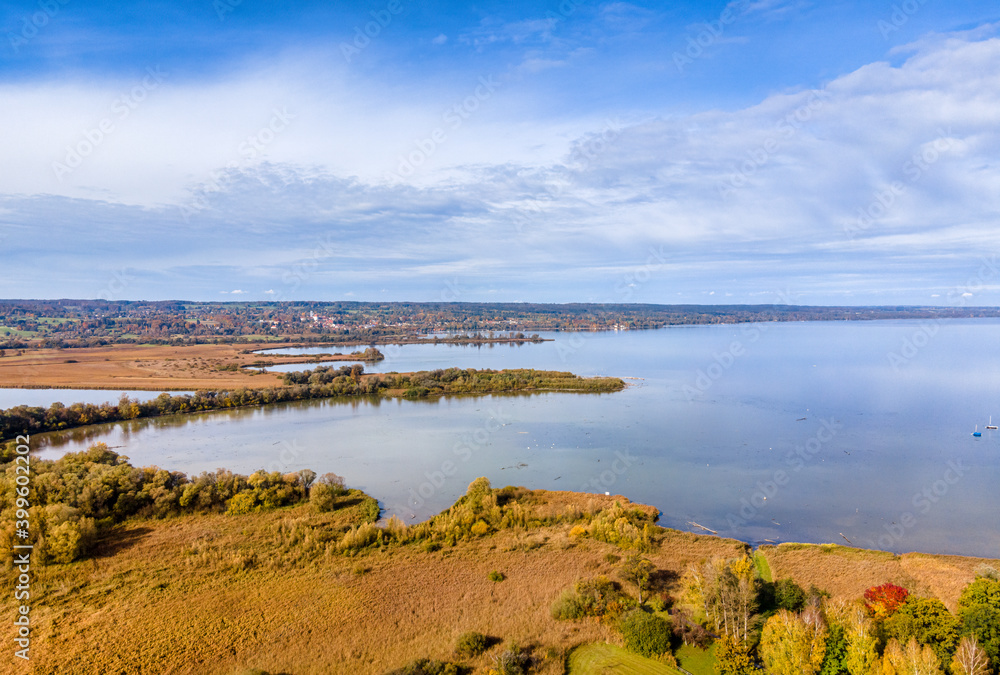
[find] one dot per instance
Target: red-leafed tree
(883, 600)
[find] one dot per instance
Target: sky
(755, 152)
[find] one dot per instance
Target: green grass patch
(13, 332)
(763, 569)
(604, 659)
(697, 661)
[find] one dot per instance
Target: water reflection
(706, 432)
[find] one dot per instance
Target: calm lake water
(46, 397)
(856, 430)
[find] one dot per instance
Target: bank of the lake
(853, 423)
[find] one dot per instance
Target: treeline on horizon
(28, 324)
(318, 383)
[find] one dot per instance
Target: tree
(882, 601)
(861, 657)
(789, 595)
(732, 657)
(637, 570)
(929, 622)
(646, 634)
(970, 659)
(324, 492)
(836, 652)
(913, 659)
(979, 609)
(791, 644)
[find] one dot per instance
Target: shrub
(646, 634)
(426, 667)
(471, 644)
(987, 571)
(789, 595)
(496, 576)
(324, 492)
(432, 546)
(591, 597)
(512, 661)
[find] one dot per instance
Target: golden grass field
(157, 367)
(221, 593)
(848, 572)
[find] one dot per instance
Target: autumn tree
(793, 644)
(913, 659)
(882, 601)
(637, 570)
(969, 658)
(861, 657)
(733, 657)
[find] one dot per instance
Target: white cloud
(770, 188)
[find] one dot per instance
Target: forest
(28, 324)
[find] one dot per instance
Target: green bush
(471, 644)
(789, 595)
(324, 492)
(646, 634)
(496, 576)
(591, 597)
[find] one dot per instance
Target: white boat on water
(991, 425)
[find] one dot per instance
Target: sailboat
(991, 425)
(977, 433)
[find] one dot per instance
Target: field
(697, 661)
(220, 593)
(215, 593)
(605, 659)
(144, 367)
(847, 572)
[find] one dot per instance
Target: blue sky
(689, 152)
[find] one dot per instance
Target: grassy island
(321, 382)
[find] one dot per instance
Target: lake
(816, 432)
(45, 397)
